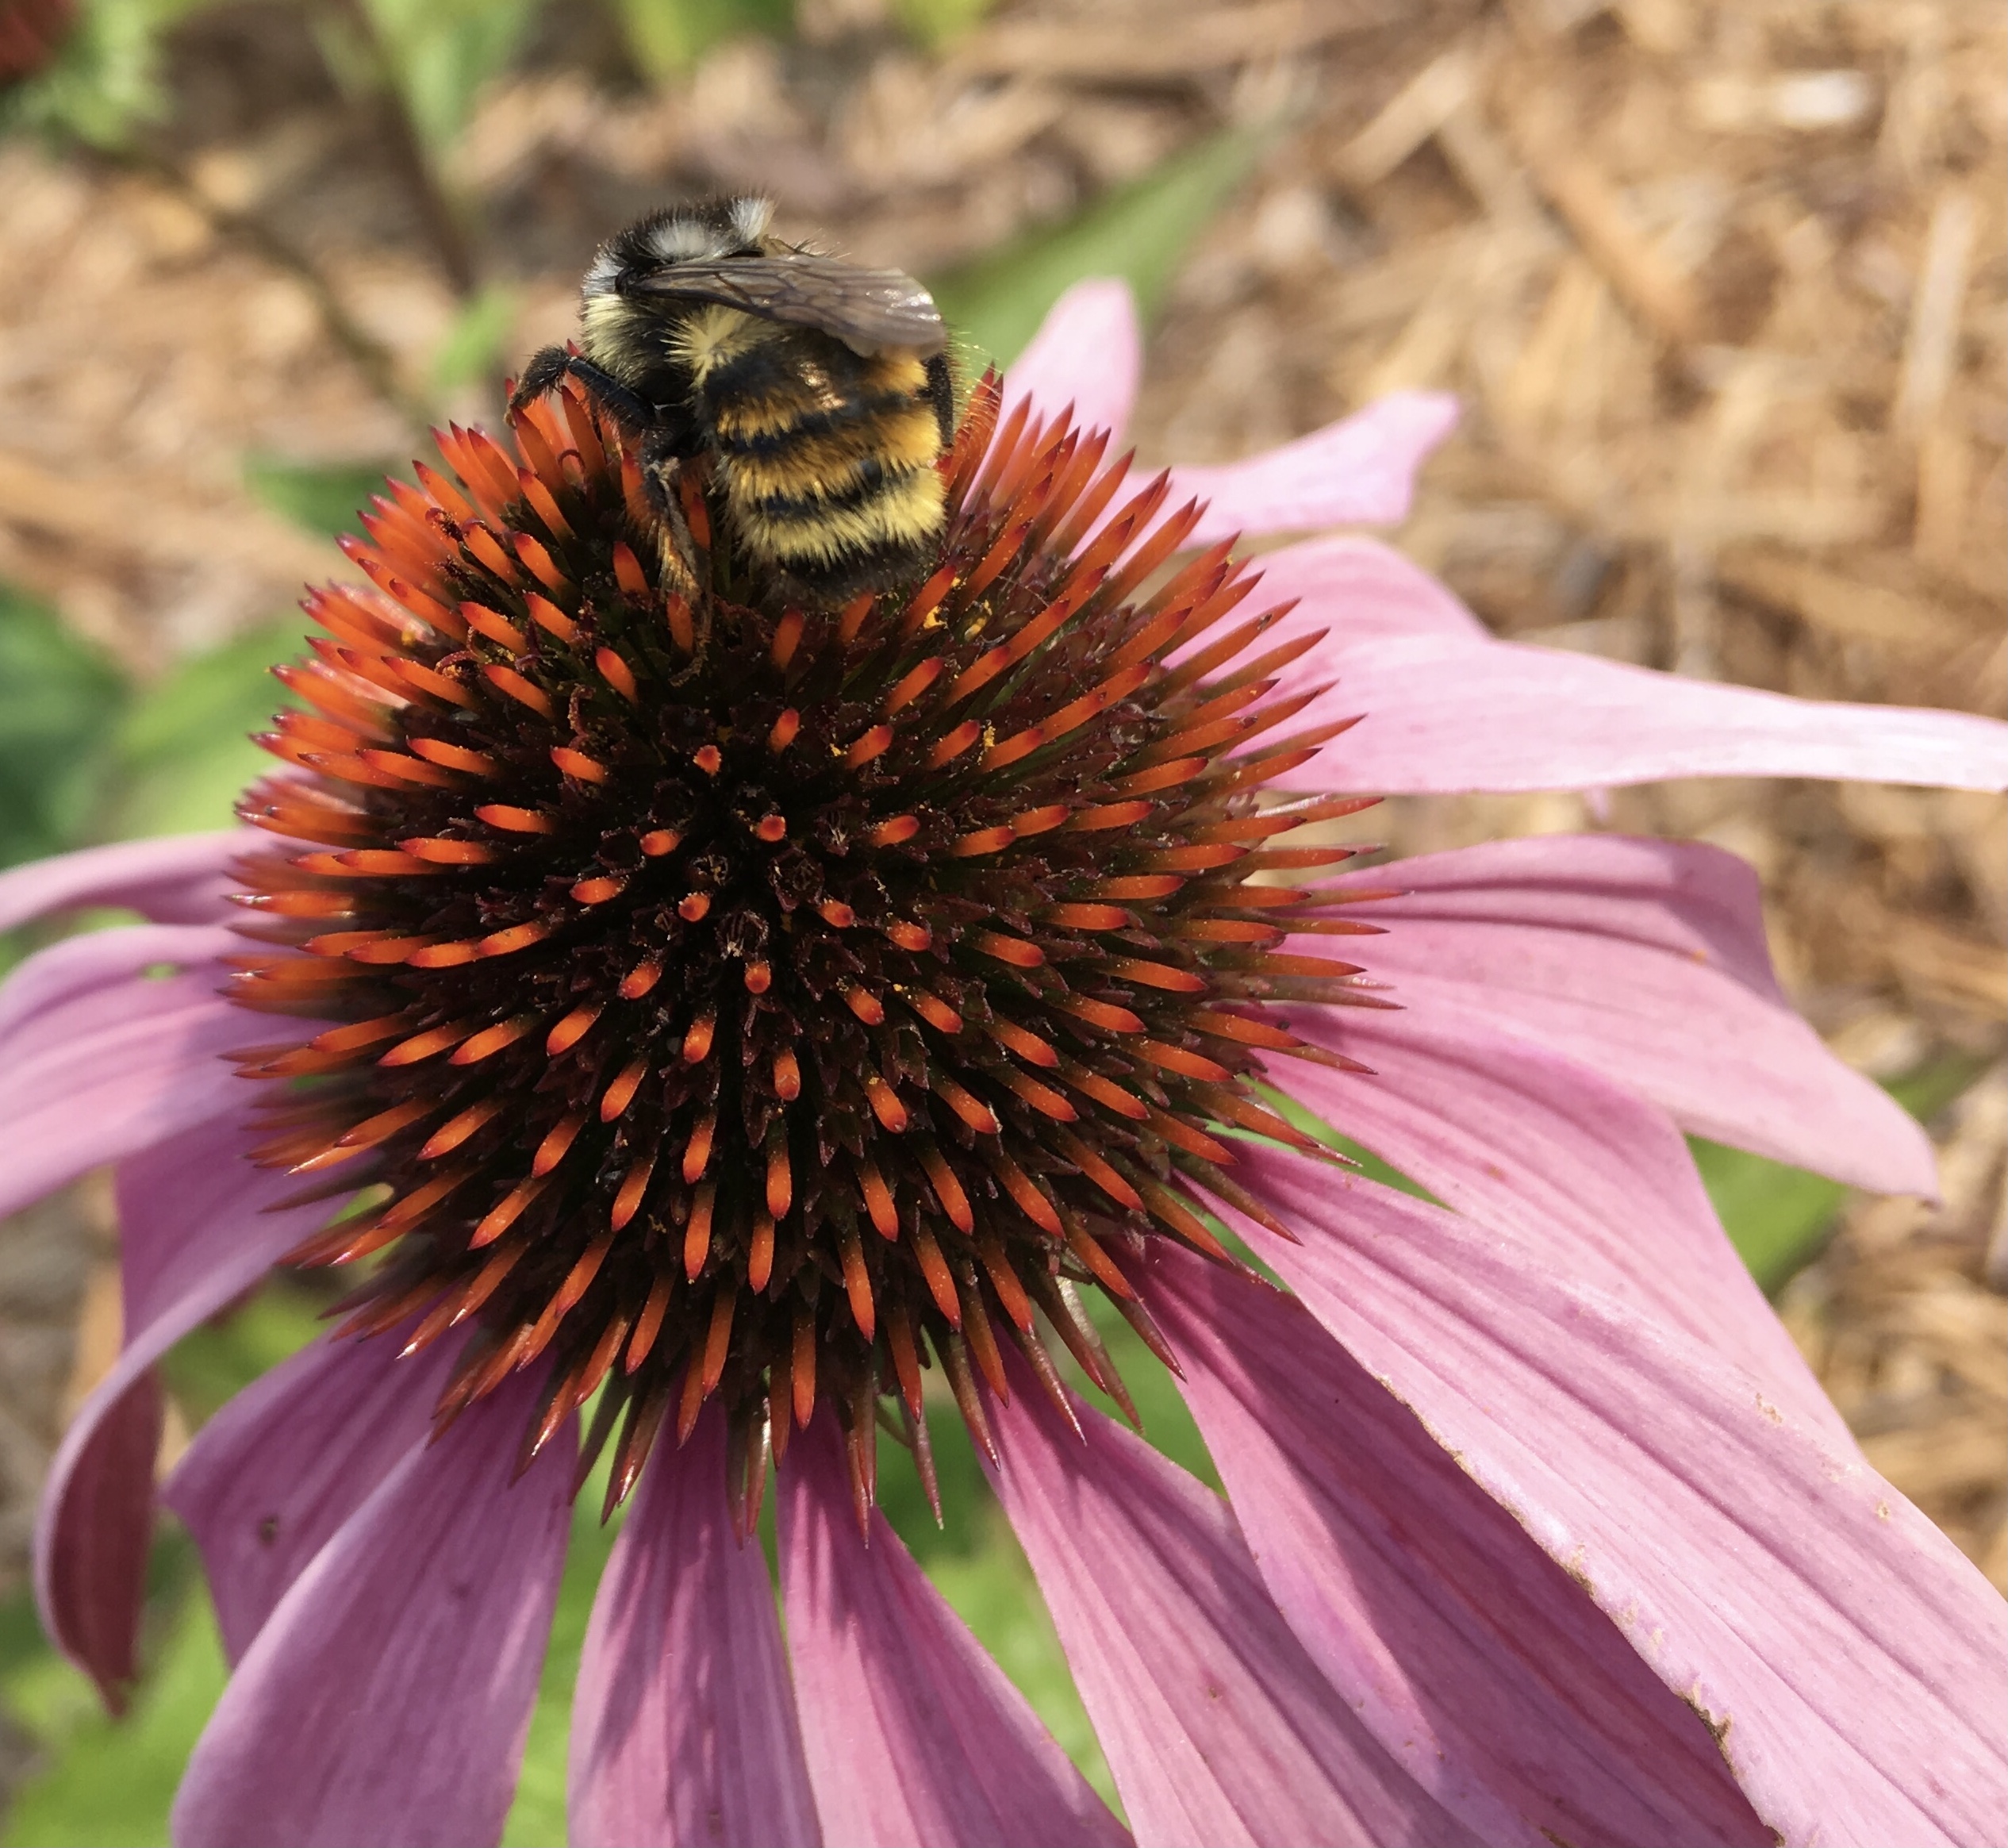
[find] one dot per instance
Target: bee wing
(867, 309)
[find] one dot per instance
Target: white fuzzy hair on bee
(688, 234)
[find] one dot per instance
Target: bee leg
(548, 367)
(662, 467)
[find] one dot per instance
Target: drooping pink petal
(272, 1477)
(1218, 1729)
(1846, 1655)
(195, 1234)
(1470, 1654)
(1360, 471)
(1444, 716)
(102, 1061)
(684, 1730)
(915, 1737)
(1087, 352)
(387, 1699)
(1594, 1180)
(96, 1529)
(183, 878)
(1645, 961)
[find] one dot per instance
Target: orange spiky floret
(713, 944)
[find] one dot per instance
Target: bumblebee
(819, 391)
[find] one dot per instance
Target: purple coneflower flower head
(706, 1016)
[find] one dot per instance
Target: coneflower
(742, 1001)
(714, 1013)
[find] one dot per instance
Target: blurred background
(1722, 288)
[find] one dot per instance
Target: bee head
(702, 232)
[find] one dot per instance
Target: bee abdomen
(755, 426)
(831, 478)
(862, 533)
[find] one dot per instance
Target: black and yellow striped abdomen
(826, 457)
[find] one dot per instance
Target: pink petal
(1347, 591)
(1444, 715)
(271, 1479)
(94, 1530)
(915, 1737)
(1645, 961)
(1360, 591)
(1358, 471)
(102, 1061)
(1088, 353)
(1846, 1655)
(1218, 1729)
(181, 879)
(1471, 1655)
(195, 1234)
(196, 1205)
(78, 967)
(683, 1725)
(387, 1696)
(1593, 1180)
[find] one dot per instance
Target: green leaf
(1780, 1218)
(1366, 1161)
(442, 51)
(111, 1781)
(1926, 1091)
(1168, 1422)
(1777, 1217)
(976, 1563)
(322, 496)
(60, 700)
(209, 1366)
(103, 82)
(1139, 233)
(184, 752)
(42, 1695)
(472, 351)
(665, 38)
(994, 1592)
(536, 1819)
(936, 23)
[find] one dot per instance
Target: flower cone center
(726, 999)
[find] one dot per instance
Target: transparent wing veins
(868, 310)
